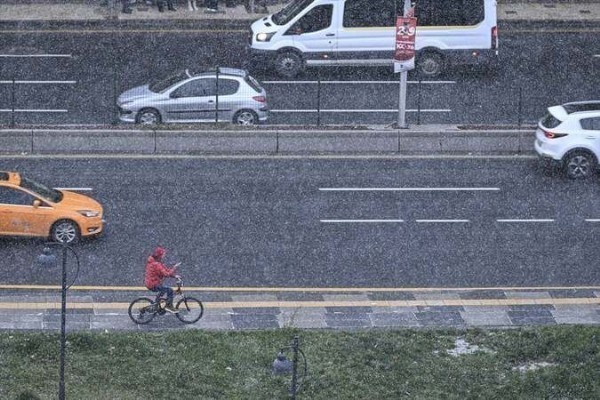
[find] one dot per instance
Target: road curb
(385, 141)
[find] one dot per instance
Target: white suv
(570, 135)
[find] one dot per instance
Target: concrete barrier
(421, 140)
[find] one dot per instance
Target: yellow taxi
(28, 208)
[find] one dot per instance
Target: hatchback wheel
(148, 116)
(245, 117)
(65, 231)
(580, 164)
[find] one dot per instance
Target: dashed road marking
(360, 220)
(526, 220)
(410, 189)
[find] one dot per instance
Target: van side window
(316, 19)
(369, 13)
(449, 12)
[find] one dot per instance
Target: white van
(311, 33)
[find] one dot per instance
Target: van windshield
(288, 12)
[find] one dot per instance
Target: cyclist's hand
(177, 276)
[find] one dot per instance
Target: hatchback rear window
(550, 121)
(253, 83)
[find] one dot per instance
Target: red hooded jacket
(156, 272)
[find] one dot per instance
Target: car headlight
(88, 213)
(264, 37)
(125, 103)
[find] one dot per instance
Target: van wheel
(579, 164)
(430, 64)
(288, 64)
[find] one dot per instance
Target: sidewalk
(266, 308)
(510, 12)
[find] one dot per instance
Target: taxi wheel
(65, 231)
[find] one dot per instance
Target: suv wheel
(579, 164)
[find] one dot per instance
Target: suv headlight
(88, 213)
(264, 37)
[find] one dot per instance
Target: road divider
(418, 140)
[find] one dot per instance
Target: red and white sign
(404, 55)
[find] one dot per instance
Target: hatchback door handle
(330, 34)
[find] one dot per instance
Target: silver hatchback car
(189, 97)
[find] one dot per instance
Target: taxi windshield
(43, 191)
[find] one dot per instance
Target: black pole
(319, 102)
(217, 103)
(63, 336)
(520, 105)
(294, 387)
(115, 118)
(12, 100)
(419, 103)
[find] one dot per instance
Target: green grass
(372, 364)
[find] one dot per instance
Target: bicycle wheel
(190, 310)
(141, 310)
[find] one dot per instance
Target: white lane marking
(360, 220)
(35, 55)
(42, 82)
(442, 220)
(526, 220)
(592, 220)
(354, 82)
(358, 111)
(32, 111)
(411, 189)
(596, 55)
(75, 189)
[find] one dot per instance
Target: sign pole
(404, 57)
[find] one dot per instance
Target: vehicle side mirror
(36, 203)
(174, 95)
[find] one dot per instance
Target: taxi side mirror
(36, 203)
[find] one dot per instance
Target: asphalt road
(302, 222)
(73, 77)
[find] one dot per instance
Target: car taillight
(553, 135)
(495, 37)
(260, 99)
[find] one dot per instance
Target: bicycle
(143, 310)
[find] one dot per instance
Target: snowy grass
(535, 363)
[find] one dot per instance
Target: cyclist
(156, 271)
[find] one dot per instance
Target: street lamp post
(48, 259)
(283, 366)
